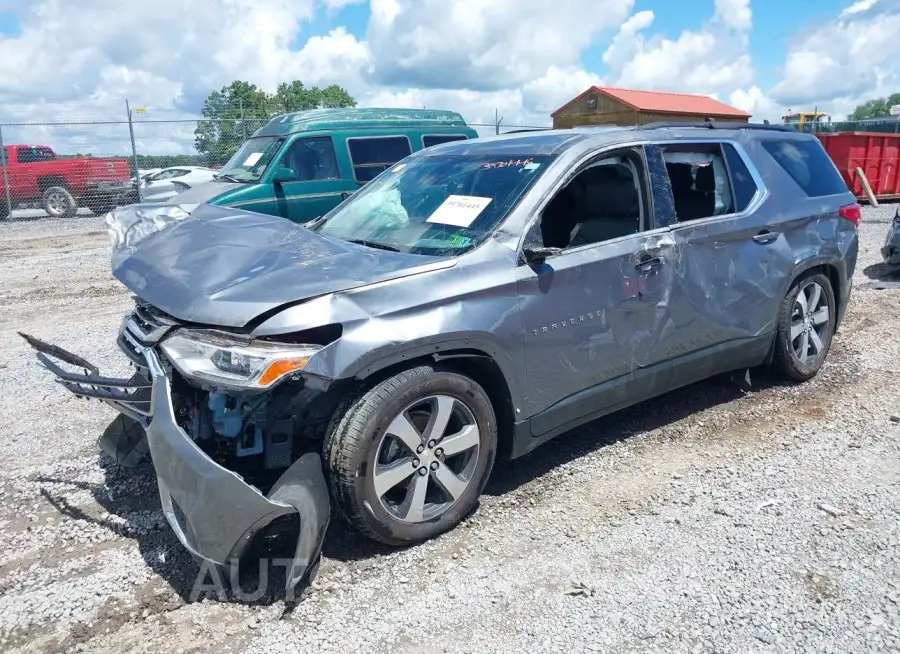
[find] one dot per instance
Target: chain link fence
(83, 166)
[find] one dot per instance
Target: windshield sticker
(459, 210)
(512, 163)
(458, 240)
(532, 166)
(252, 159)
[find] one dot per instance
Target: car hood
(206, 191)
(222, 266)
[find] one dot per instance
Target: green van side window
(372, 155)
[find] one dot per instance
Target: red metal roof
(657, 101)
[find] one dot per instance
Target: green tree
(233, 113)
(875, 108)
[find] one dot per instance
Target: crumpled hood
(222, 266)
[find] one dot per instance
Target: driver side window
(604, 201)
(312, 159)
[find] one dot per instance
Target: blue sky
(522, 58)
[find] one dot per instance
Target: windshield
(251, 160)
(437, 205)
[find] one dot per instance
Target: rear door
(731, 257)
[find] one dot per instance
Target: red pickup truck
(36, 174)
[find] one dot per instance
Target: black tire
(4, 209)
(786, 362)
(58, 202)
(357, 434)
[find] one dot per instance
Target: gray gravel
(708, 520)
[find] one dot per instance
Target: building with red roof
(604, 105)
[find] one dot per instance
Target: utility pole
(137, 174)
(497, 120)
(4, 162)
(243, 122)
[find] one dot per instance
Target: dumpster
(878, 155)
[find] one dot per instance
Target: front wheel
(408, 459)
(806, 321)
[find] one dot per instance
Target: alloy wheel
(809, 323)
(426, 458)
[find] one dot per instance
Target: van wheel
(58, 202)
(805, 328)
(408, 459)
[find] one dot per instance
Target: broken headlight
(212, 358)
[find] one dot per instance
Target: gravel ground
(708, 520)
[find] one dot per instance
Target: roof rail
(528, 129)
(715, 125)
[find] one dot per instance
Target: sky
(76, 61)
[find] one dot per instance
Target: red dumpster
(877, 154)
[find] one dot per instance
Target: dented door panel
(591, 316)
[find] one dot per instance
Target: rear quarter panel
(812, 231)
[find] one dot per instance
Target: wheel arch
(49, 181)
(830, 268)
(467, 359)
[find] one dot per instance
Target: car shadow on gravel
(881, 272)
(131, 499)
(621, 425)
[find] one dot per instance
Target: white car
(169, 182)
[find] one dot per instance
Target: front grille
(143, 327)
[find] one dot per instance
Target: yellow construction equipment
(801, 118)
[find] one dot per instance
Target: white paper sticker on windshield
(459, 210)
(252, 159)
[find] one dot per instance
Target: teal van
(301, 165)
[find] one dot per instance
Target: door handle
(648, 264)
(765, 236)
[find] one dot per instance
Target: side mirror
(283, 175)
(539, 255)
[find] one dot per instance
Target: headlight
(210, 357)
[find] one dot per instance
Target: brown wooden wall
(612, 112)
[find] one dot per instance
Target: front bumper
(213, 511)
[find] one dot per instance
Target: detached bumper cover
(214, 513)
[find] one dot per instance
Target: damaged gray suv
(476, 297)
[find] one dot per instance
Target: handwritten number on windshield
(512, 163)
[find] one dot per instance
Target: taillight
(852, 212)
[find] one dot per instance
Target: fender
(373, 361)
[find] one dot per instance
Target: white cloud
(710, 60)
(483, 44)
(523, 58)
(736, 14)
(844, 62)
(858, 7)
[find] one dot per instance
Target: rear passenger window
(371, 156)
(808, 165)
(432, 139)
(699, 179)
(741, 179)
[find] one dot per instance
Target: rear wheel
(806, 321)
(408, 459)
(58, 202)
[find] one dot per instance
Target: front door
(592, 314)
(318, 185)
